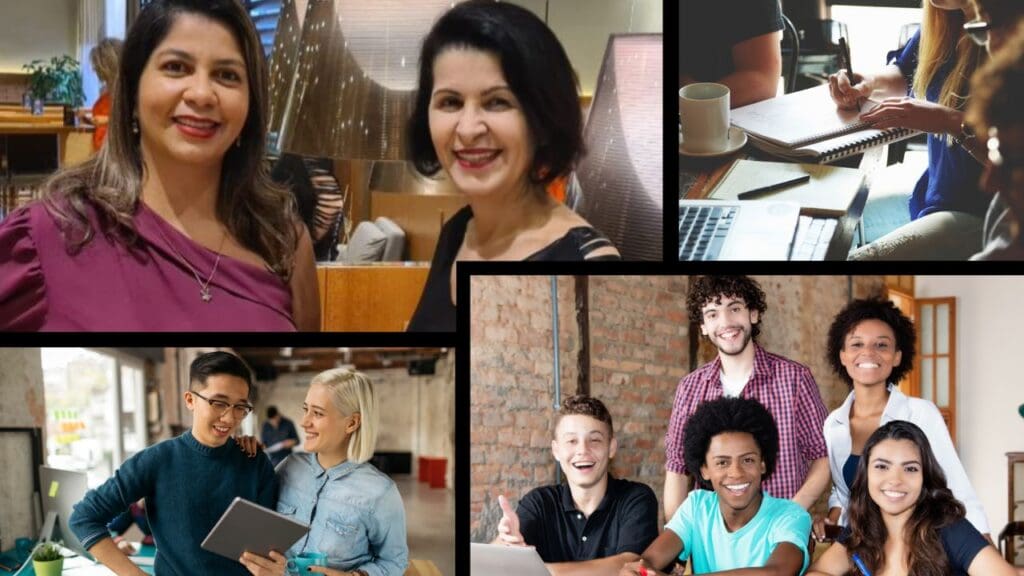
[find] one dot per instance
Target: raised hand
(508, 526)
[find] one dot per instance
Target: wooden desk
(14, 125)
(371, 297)
(422, 568)
(698, 176)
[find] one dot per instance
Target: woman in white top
(871, 346)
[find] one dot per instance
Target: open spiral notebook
(807, 126)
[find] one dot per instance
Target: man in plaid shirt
(730, 309)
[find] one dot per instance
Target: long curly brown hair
(259, 213)
(935, 507)
(704, 289)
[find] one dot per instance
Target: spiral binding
(863, 144)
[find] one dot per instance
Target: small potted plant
(59, 81)
(47, 560)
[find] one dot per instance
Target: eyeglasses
(240, 410)
(978, 31)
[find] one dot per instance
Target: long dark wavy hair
(935, 507)
(259, 213)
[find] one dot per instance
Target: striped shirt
(787, 389)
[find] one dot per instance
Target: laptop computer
(498, 560)
(737, 230)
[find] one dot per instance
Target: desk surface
(416, 567)
(698, 176)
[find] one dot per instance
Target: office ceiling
(267, 362)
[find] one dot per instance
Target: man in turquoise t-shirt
(730, 523)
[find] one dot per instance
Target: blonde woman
(354, 511)
(104, 58)
(935, 67)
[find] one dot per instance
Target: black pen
(765, 190)
(844, 53)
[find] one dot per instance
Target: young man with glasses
(187, 481)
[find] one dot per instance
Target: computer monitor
(60, 491)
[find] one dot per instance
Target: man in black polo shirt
(593, 523)
(732, 42)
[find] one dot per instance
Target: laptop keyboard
(703, 230)
(812, 238)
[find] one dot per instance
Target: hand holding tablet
(248, 526)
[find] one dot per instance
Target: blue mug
(299, 564)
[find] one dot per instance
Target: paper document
(829, 192)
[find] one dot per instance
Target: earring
(135, 126)
(238, 143)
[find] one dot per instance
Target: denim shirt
(354, 511)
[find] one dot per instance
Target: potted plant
(59, 81)
(47, 560)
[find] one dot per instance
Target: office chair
(791, 37)
(1006, 539)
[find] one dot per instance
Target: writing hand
(847, 95)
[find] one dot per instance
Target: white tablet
(248, 526)
(498, 560)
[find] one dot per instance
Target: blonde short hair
(352, 392)
(104, 57)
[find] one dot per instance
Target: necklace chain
(204, 287)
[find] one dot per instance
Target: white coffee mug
(704, 108)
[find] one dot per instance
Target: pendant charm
(204, 293)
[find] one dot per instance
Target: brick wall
(639, 348)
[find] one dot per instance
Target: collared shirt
(626, 520)
(928, 418)
(270, 436)
(354, 511)
(787, 389)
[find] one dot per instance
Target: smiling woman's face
(193, 94)
(869, 352)
(477, 124)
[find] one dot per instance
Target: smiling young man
(593, 523)
(730, 310)
(187, 481)
(730, 523)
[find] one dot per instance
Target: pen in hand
(844, 53)
(749, 194)
(860, 565)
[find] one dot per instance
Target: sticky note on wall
(53, 488)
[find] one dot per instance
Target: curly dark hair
(935, 507)
(729, 415)
(858, 311)
(583, 405)
(704, 289)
